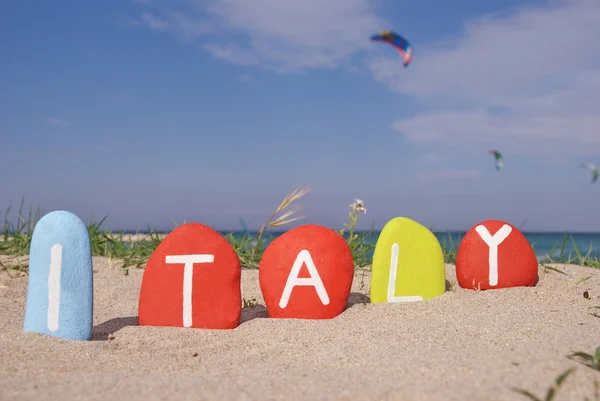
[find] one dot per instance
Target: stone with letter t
(192, 279)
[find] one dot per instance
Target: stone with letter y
(495, 254)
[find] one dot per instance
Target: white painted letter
(293, 279)
(392, 280)
(54, 286)
(493, 243)
(188, 271)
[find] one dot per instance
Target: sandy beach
(463, 345)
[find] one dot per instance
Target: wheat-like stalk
(285, 218)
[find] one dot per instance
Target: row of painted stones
(193, 278)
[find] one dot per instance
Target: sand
(463, 345)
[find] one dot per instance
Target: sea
(555, 246)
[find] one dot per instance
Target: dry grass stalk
(285, 218)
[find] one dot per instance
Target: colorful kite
(593, 169)
(399, 42)
(498, 157)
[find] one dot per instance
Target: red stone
(517, 264)
(214, 297)
(334, 267)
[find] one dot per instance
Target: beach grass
(577, 259)
(589, 360)
(133, 250)
(552, 389)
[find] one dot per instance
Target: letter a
(293, 279)
(493, 242)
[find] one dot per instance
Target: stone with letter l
(408, 263)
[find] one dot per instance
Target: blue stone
(60, 292)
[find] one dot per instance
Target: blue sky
(162, 111)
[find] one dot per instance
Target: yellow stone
(412, 253)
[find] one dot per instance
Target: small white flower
(358, 206)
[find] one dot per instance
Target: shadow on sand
(101, 331)
(357, 298)
(260, 311)
(253, 312)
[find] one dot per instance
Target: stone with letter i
(495, 254)
(60, 291)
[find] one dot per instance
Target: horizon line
(239, 230)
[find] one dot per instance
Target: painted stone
(60, 291)
(408, 263)
(306, 273)
(192, 279)
(495, 254)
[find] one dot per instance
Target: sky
(160, 112)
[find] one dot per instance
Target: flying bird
(498, 159)
(593, 169)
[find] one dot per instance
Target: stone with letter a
(495, 254)
(193, 279)
(306, 273)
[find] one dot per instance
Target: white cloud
(57, 122)
(446, 175)
(525, 81)
(282, 35)
(179, 23)
(154, 23)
